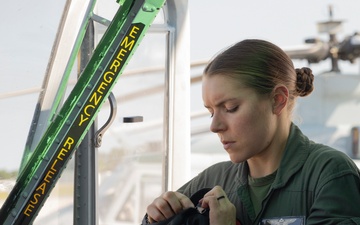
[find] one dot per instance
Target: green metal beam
(69, 127)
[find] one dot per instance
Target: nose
(217, 124)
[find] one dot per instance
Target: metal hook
(113, 109)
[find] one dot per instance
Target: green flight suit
(314, 184)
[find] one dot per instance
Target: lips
(227, 144)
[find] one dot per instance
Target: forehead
(218, 88)
(220, 82)
(219, 78)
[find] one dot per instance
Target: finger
(184, 200)
(211, 199)
(177, 201)
(154, 213)
(167, 205)
(210, 202)
(222, 211)
(216, 191)
(172, 205)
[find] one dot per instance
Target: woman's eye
(232, 109)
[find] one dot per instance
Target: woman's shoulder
(223, 174)
(309, 154)
(331, 159)
(321, 151)
(222, 167)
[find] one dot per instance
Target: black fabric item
(190, 216)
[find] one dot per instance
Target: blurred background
(130, 157)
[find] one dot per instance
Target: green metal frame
(79, 111)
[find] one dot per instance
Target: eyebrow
(221, 102)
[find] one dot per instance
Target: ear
(279, 99)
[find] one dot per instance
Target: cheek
(250, 116)
(254, 124)
(245, 125)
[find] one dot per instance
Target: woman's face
(243, 120)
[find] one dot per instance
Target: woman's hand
(222, 211)
(167, 205)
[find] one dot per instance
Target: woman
(276, 174)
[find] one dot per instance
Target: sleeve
(195, 184)
(337, 201)
(223, 174)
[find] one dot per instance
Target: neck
(268, 161)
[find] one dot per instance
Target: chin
(236, 160)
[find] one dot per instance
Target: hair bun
(304, 81)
